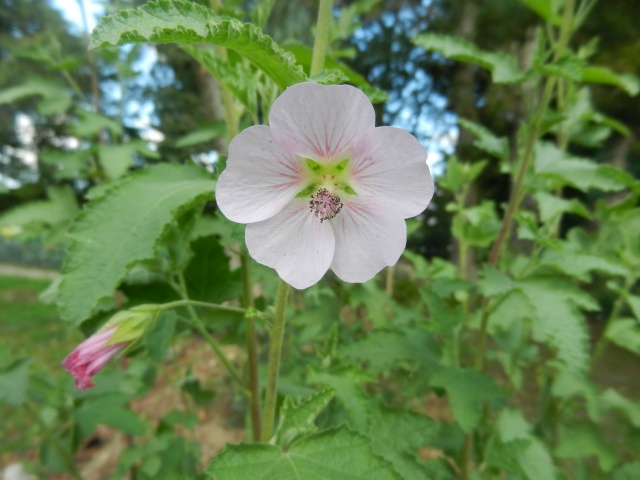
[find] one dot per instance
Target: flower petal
(320, 121)
(370, 235)
(390, 163)
(295, 243)
(260, 179)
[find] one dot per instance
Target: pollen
(325, 205)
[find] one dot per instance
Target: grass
(29, 328)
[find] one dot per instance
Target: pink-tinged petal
(320, 121)
(260, 179)
(295, 243)
(390, 164)
(90, 357)
(370, 235)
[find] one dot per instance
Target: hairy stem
(252, 348)
(276, 334)
(322, 37)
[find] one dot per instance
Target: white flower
(322, 187)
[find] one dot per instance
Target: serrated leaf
(486, 140)
(627, 82)
(385, 350)
(121, 228)
(397, 436)
(467, 391)
(181, 21)
(503, 67)
(347, 383)
(298, 418)
(327, 455)
(558, 320)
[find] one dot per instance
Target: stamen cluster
(325, 205)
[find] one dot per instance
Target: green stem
(276, 334)
(322, 37)
(195, 303)
(390, 280)
(55, 441)
(252, 348)
(197, 324)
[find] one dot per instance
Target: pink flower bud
(90, 356)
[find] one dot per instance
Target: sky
(71, 11)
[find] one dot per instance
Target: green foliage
(122, 228)
(55, 97)
(335, 453)
(298, 418)
(467, 391)
(503, 67)
(187, 22)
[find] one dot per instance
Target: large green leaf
(503, 67)
(182, 21)
(121, 228)
(327, 455)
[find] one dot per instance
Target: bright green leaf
(503, 67)
(327, 455)
(122, 228)
(298, 418)
(627, 82)
(583, 440)
(547, 9)
(60, 207)
(187, 22)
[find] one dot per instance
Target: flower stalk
(322, 37)
(276, 335)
